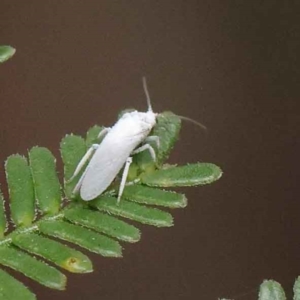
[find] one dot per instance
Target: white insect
(115, 151)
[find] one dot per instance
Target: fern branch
(96, 226)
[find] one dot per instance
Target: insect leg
(146, 147)
(79, 183)
(84, 159)
(124, 177)
(103, 132)
(153, 138)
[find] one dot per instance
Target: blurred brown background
(231, 65)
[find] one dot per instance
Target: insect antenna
(193, 121)
(147, 94)
(150, 106)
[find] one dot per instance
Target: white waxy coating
(131, 129)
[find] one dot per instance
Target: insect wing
(102, 170)
(109, 159)
(112, 153)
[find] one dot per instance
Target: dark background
(231, 65)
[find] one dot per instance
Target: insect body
(119, 143)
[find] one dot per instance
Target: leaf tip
(6, 52)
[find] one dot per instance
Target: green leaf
(154, 196)
(167, 129)
(103, 223)
(189, 175)
(12, 289)
(61, 255)
(32, 268)
(46, 183)
(72, 149)
(271, 290)
(83, 237)
(6, 52)
(296, 289)
(133, 211)
(92, 135)
(3, 223)
(21, 190)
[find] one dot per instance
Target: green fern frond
(43, 220)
